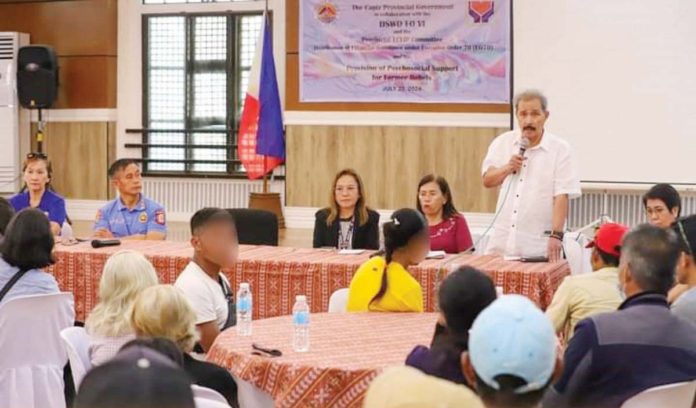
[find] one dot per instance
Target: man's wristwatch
(557, 235)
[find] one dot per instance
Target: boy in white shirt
(215, 246)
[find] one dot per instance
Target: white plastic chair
(33, 355)
(338, 302)
(207, 403)
(250, 396)
(678, 395)
(76, 341)
(573, 252)
(207, 393)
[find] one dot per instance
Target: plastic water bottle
(244, 308)
(66, 233)
(300, 319)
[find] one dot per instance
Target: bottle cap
(244, 285)
(301, 298)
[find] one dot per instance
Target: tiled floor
(179, 231)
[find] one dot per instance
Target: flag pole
(265, 158)
(265, 176)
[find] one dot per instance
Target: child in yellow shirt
(382, 284)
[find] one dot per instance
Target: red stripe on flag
(256, 165)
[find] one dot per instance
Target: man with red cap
(581, 296)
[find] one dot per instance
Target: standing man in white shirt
(215, 247)
(535, 186)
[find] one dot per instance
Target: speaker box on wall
(37, 76)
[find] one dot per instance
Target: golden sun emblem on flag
(326, 12)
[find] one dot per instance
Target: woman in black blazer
(347, 223)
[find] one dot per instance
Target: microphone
(100, 243)
(524, 144)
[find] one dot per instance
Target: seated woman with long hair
(126, 274)
(449, 231)
(382, 284)
(347, 223)
(37, 172)
(461, 297)
(26, 249)
(163, 311)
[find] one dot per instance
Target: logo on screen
(326, 12)
(481, 11)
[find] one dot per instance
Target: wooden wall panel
(292, 94)
(87, 82)
(391, 160)
(84, 35)
(80, 153)
(76, 27)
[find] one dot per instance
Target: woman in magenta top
(449, 231)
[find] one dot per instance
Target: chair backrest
(31, 327)
(573, 252)
(206, 403)
(33, 355)
(338, 302)
(76, 341)
(207, 393)
(255, 227)
(679, 395)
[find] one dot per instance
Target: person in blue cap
(512, 357)
(131, 215)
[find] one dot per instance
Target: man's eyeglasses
(683, 237)
(37, 155)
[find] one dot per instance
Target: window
(196, 70)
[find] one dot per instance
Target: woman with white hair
(125, 275)
(163, 311)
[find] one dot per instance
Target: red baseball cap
(608, 238)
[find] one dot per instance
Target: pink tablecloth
(278, 274)
(347, 352)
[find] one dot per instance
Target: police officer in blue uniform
(131, 215)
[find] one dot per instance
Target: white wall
(620, 79)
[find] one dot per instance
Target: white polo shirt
(204, 294)
(550, 170)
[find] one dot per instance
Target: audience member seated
(512, 358)
(461, 297)
(382, 284)
(37, 193)
(582, 296)
(126, 274)
(136, 378)
(685, 305)
(161, 345)
(131, 215)
(406, 387)
(214, 242)
(26, 249)
(614, 356)
(662, 205)
(347, 223)
(449, 231)
(162, 311)
(6, 214)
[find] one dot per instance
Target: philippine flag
(260, 142)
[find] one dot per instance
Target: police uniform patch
(143, 217)
(159, 217)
